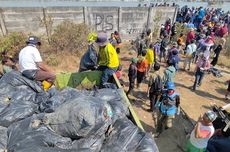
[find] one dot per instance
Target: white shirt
(28, 57)
(202, 142)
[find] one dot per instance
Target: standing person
(148, 37)
(228, 90)
(154, 91)
(168, 106)
(112, 40)
(173, 32)
(118, 42)
(202, 65)
(89, 59)
(142, 66)
(31, 64)
(173, 56)
(216, 55)
(190, 37)
(156, 49)
(169, 73)
(150, 57)
(132, 75)
(202, 132)
(164, 44)
(190, 54)
(107, 58)
(180, 42)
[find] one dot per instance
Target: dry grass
(63, 62)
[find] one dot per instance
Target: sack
(156, 86)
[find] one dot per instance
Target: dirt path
(194, 103)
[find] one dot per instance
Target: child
(227, 91)
(119, 75)
(132, 75)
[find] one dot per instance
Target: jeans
(131, 85)
(187, 62)
(162, 53)
(199, 76)
(106, 74)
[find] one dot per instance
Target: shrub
(13, 43)
(70, 37)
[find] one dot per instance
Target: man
(202, 132)
(142, 66)
(203, 64)
(150, 56)
(190, 37)
(118, 42)
(169, 73)
(168, 106)
(132, 75)
(8, 65)
(164, 44)
(173, 56)
(31, 64)
(190, 53)
(107, 59)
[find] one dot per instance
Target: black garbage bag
(89, 59)
(3, 138)
(31, 135)
(80, 117)
(125, 136)
(13, 85)
(15, 111)
(92, 143)
(114, 98)
(59, 98)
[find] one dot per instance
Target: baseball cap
(102, 39)
(33, 40)
(211, 115)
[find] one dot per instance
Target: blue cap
(170, 86)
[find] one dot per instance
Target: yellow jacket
(150, 56)
(108, 57)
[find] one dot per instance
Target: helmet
(170, 86)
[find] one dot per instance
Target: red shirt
(190, 36)
(223, 30)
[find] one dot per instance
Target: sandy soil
(193, 103)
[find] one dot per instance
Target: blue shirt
(169, 110)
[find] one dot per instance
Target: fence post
(148, 18)
(118, 20)
(2, 23)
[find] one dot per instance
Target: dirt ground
(193, 103)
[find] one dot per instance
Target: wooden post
(2, 23)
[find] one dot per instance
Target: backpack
(157, 86)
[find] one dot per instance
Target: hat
(33, 40)
(101, 39)
(211, 115)
(134, 60)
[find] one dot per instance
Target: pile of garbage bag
(68, 120)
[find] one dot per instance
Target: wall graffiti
(104, 22)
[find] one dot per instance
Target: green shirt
(6, 69)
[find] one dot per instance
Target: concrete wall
(130, 22)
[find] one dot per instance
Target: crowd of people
(205, 25)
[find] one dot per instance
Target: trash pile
(68, 120)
